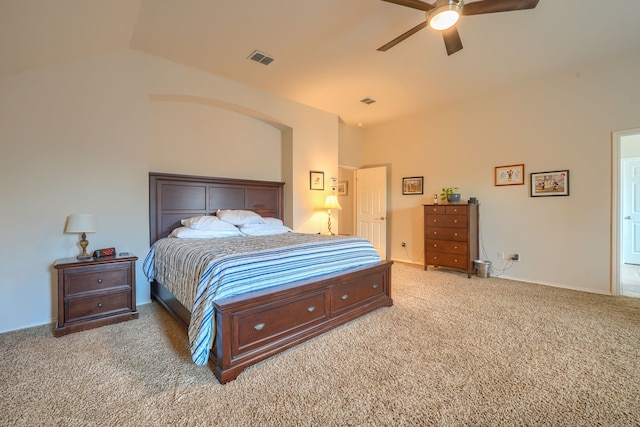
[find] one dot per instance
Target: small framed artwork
(509, 175)
(554, 183)
(316, 180)
(343, 187)
(413, 185)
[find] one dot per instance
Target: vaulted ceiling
(325, 50)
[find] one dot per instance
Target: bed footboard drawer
(262, 325)
(345, 295)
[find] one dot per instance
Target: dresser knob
(455, 221)
(455, 260)
(435, 257)
(259, 326)
(374, 286)
(100, 305)
(99, 280)
(435, 232)
(312, 308)
(344, 297)
(455, 234)
(435, 246)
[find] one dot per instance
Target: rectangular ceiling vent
(260, 57)
(368, 101)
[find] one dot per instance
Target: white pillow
(269, 223)
(239, 216)
(190, 233)
(261, 230)
(204, 222)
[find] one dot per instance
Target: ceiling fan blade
(415, 4)
(452, 40)
(493, 6)
(401, 37)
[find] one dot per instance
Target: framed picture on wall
(413, 185)
(509, 175)
(342, 188)
(554, 183)
(316, 180)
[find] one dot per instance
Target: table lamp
(82, 223)
(331, 202)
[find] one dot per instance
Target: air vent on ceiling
(368, 101)
(260, 57)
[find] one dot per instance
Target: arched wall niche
(203, 136)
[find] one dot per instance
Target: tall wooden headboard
(173, 197)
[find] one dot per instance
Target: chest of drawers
(93, 293)
(451, 236)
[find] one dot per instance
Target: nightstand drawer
(79, 280)
(97, 305)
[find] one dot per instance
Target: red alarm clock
(99, 253)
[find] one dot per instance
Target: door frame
(616, 200)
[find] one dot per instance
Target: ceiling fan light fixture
(445, 15)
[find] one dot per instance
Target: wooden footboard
(253, 327)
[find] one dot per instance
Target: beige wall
(82, 136)
(557, 123)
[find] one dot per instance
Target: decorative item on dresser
(96, 292)
(451, 236)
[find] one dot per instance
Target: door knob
(627, 217)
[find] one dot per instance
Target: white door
(371, 207)
(631, 210)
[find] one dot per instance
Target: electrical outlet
(403, 244)
(516, 257)
(500, 255)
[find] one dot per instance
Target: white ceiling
(325, 50)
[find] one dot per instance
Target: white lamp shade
(331, 202)
(82, 223)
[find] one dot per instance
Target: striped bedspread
(201, 271)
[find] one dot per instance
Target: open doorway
(626, 214)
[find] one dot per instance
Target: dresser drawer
(434, 210)
(345, 295)
(457, 221)
(451, 247)
(97, 304)
(439, 233)
(447, 260)
(79, 280)
(260, 326)
(457, 209)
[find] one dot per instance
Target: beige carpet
(451, 351)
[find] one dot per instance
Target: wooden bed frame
(255, 326)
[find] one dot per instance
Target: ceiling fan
(444, 14)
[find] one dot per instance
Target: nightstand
(95, 292)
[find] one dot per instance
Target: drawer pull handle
(312, 308)
(455, 247)
(344, 297)
(435, 245)
(435, 220)
(99, 280)
(435, 232)
(374, 286)
(455, 234)
(259, 326)
(455, 260)
(435, 257)
(455, 220)
(100, 304)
